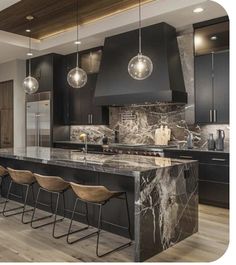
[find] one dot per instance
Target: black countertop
(130, 165)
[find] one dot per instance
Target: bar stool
(23, 178)
(97, 195)
(52, 185)
(3, 175)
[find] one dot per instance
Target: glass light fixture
(140, 67)
(77, 77)
(30, 84)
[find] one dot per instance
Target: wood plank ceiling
(54, 16)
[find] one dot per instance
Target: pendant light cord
(140, 29)
(30, 49)
(77, 21)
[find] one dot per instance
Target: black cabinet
(212, 88)
(42, 70)
(203, 89)
(81, 107)
(213, 175)
(221, 87)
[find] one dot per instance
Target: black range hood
(166, 84)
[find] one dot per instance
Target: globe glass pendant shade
(140, 67)
(77, 78)
(30, 85)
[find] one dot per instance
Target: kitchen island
(162, 192)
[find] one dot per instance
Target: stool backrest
(21, 176)
(91, 193)
(3, 171)
(52, 183)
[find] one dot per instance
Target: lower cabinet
(213, 175)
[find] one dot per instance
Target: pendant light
(30, 84)
(140, 67)
(77, 77)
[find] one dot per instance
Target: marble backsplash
(137, 125)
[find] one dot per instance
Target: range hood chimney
(166, 84)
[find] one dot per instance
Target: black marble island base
(162, 192)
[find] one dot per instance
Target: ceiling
(53, 16)
(178, 13)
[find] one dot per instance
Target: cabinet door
(42, 70)
(6, 95)
(100, 114)
(80, 104)
(203, 89)
(221, 87)
(6, 125)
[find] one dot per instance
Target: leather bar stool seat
(21, 176)
(24, 178)
(3, 172)
(96, 194)
(99, 196)
(53, 185)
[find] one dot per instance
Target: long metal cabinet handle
(215, 116)
(189, 157)
(218, 159)
(91, 118)
(88, 118)
(210, 113)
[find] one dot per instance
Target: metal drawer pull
(215, 117)
(210, 115)
(190, 157)
(218, 159)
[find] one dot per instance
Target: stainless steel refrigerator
(38, 115)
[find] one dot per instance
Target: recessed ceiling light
(77, 42)
(28, 30)
(198, 10)
(214, 38)
(29, 54)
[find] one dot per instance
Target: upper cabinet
(212, 74)
(81, 107)
(42, 70)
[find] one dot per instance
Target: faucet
(84, 137)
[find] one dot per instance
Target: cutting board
(162, 135)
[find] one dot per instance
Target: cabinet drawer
(214, 193)
(202, 156)
(215, 173)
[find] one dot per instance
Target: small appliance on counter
(211, 142)
(220, 140)
(190, 141)
(105, 140)
(116, 140)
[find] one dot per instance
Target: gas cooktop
(137, 149)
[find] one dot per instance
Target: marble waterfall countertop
(122, 164)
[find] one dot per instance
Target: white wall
(16, 70)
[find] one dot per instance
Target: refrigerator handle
(38, 130)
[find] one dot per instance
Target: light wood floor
(20, 243)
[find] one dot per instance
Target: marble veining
(166, 201)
